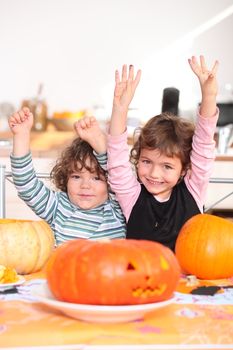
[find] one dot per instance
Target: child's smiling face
(86, 189)
(158, 172)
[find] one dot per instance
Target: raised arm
(208, 83)
(203, 144)
(88, 129)
(20, 124)
(125, 87)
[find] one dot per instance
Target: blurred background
(66, 51)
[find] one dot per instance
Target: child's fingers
(86, 122)
(194, 60)
(12, 122)
(190, 62)
(124, 73)
(22, 115)
(26, 110)
(16, 117)
(198, 69)
(117, 77)
(203, 64)
(92, 119)
(77, 127)
(131, 73)
(137, 78)
(193, 63)
(89, 121)
(82, 124)
(215, 67)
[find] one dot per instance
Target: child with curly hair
(83, 206)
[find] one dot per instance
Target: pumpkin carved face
(204, 247)
(116, 272)
(25, 245)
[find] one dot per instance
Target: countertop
(43, 144)
(49, 144)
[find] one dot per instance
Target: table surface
(191, 322)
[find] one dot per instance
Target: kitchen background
(59, 57)
(72, 48)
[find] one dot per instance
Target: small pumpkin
(204, 247)
(25, 245)
(116, 272)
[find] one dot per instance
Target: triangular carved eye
(130, 267)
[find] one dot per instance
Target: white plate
(97, 313)
(6, 286)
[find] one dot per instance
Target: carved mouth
(148, 291)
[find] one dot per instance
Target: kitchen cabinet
(223, 168)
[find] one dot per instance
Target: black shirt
(161, 221)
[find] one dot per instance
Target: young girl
(173, 161)
(83, 207)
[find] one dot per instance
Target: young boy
(83, 207)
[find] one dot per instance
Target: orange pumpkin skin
(204, 247)
(25, 245)
(117, 272)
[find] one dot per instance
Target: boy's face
(158, 172)
(87, 190)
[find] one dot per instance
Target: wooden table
(191, 322)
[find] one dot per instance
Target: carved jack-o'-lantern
(113, 272)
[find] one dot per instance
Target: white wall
(74, 46)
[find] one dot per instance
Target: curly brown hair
(74, 158)
(168, 133)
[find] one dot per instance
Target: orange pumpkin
(204, 247)
(116, 272)
(25, 245)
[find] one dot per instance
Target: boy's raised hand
(20, 124)
(21, 121)
(125, 87)
(207, 78)
(88, 129)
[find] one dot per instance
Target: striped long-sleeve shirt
(67, 220)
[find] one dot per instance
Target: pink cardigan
(123, 179)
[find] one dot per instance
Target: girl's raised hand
(207, 78)
(21, 121)
(125, 87)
